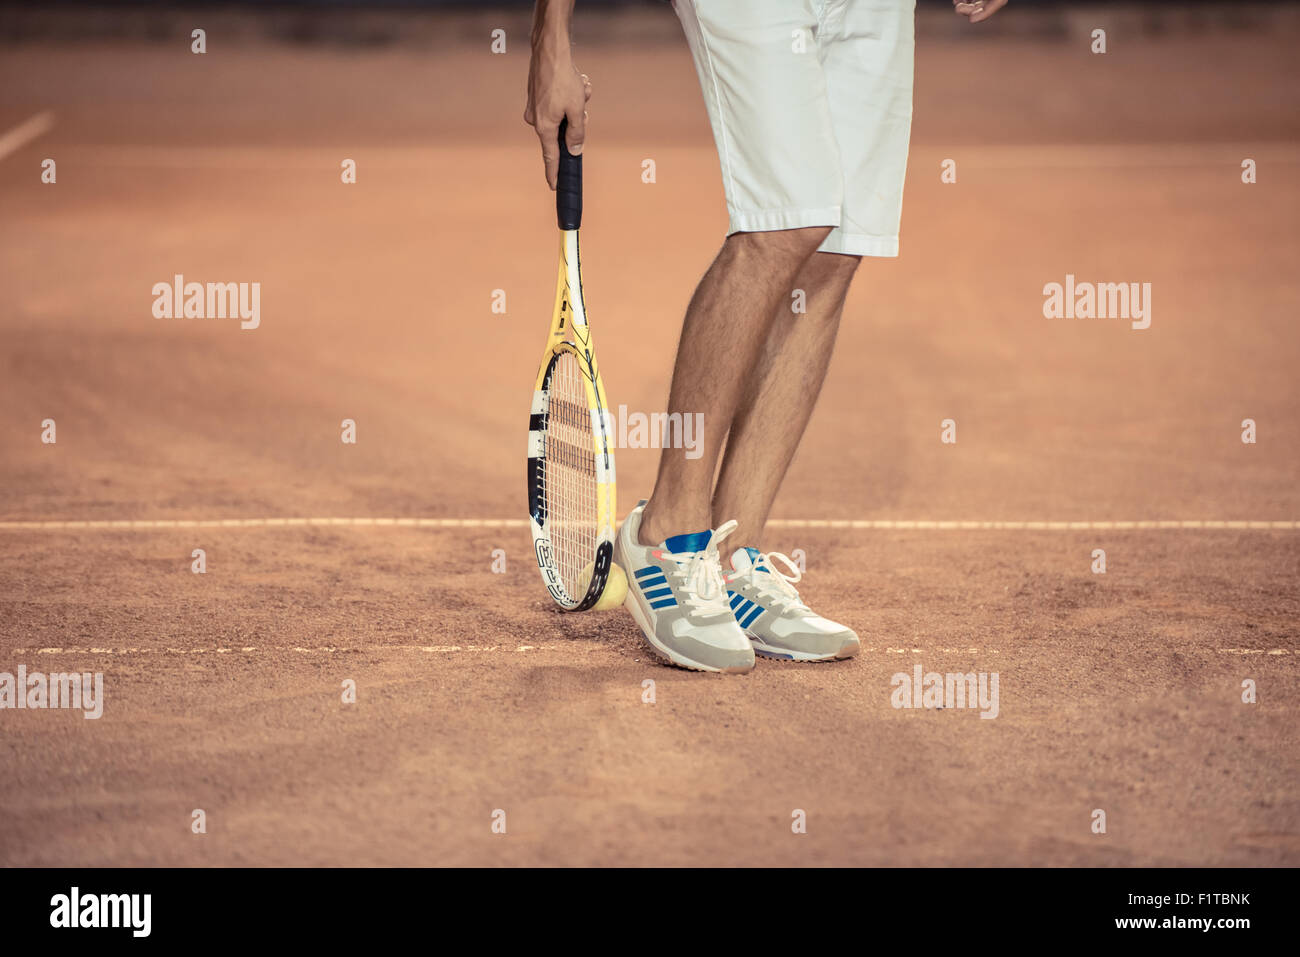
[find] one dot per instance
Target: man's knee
(782, 246)
(827, 276)
(833, 268)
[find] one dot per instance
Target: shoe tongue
(692, 542)
(745, 558)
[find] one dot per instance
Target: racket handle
(568, 185)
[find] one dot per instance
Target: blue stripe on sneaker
(758, 610)
(642, 572)
(653, 582)
(685, 544)
(658, 593)
(664, 603)
(743, 607)
(736, 600)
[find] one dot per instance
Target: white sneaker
(676, 593)
(768, 607)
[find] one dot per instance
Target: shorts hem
(769, 220)
(857, 244)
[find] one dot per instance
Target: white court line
(25, 132)
(519, 649)
(1027, 525)
(837, 523)
(259, 649)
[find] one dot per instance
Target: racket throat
(570, 281)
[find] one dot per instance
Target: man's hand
(555, 87)
(977, 10)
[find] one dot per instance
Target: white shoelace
(699, 574)
(775, 587)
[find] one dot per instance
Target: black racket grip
(568, 185)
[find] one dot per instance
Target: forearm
(551, 21)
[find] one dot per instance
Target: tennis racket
(570, 463)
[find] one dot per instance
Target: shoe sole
(780, 654)
(673, 657)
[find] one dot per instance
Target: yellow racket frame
(570, 333)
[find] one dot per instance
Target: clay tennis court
(374, 561)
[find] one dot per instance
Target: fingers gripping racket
(570, 463)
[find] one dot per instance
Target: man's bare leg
(775, 409)
(722, 339)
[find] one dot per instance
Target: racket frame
(570, 334)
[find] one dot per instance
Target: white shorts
(811, 106)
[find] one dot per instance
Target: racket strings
(569, 476)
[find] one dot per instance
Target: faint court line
(449, 523)
(26, 131)
(419, 157)
(1123, 155)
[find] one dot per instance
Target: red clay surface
(1118, 691)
